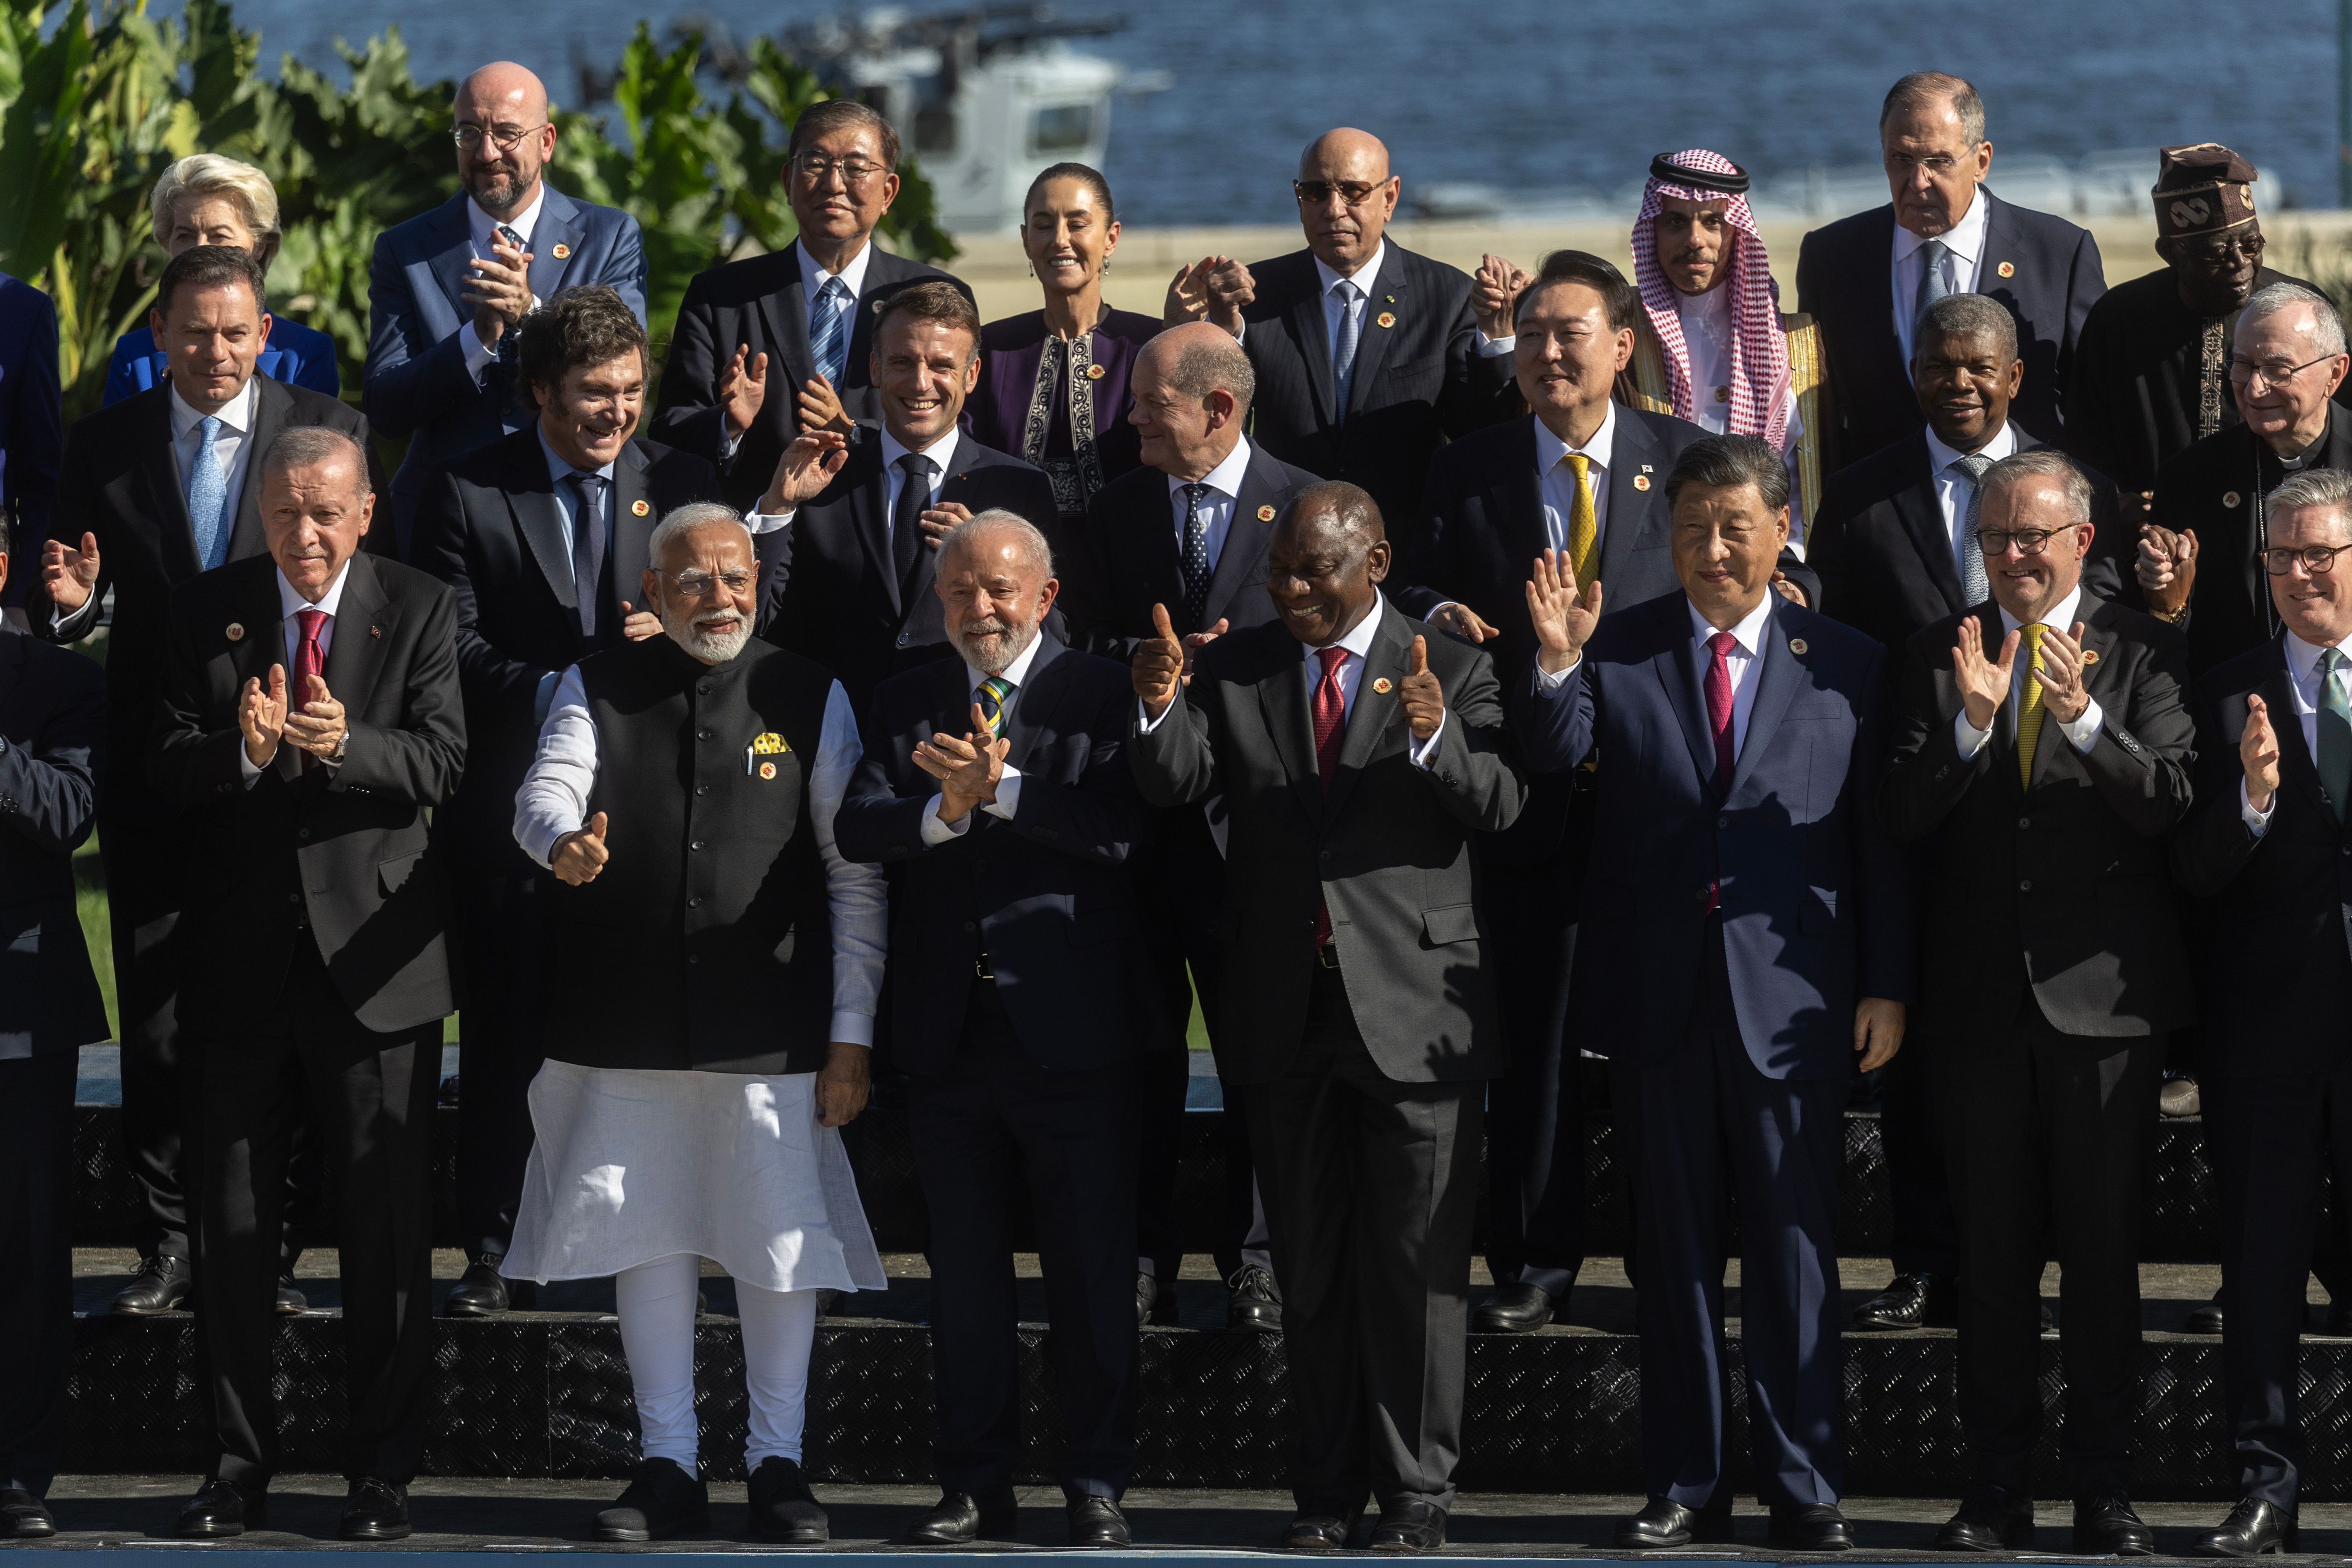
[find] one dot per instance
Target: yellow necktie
(1583, 527)
(2029, 707)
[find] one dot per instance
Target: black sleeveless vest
(706, 940)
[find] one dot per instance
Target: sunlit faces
(1726, 542)
(923, 370)
(313, 516)
(211, 336)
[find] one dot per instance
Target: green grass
(90, 902)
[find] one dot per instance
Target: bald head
(497, 103)
(1326, 560)
(1192, 386)
(1346, 197)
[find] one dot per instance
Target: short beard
(711, 647)
(506, 186)
(1013, 640)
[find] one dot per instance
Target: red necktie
(1330, 724)
(1718, 719)
(309, 660)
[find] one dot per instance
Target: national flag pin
(1388, 298)
(562, 251)
(375, 631)
(236, 631)
(1266, 514)
(1640, 481)
(2090, 655)
(1094, 372)
(1798, 646)
(2007, 269)
(1387, 318)
(1384, 686)
(639, 507)
(1645, 467)
(2228, 498)
(767, 770)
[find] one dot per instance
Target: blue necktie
(1343, 355)
(829, 332)
(588, 551)
(208, 497)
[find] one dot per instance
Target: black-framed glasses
(2028, 541)
(2245, 371)
(1352, 193)
(506, 138)
(697, 585)
(2242, 246)
(2315, 559)
(816, 168)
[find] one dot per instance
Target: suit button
(1723, 822)
(971, 925)
(694, 903)
(693, 958)
(696, 844)
(702, 735)
(905, 637)
(702, 789)
(1324, 855)
(1699, 897)
(304, 835)
(703, 689)
(2025, 887)
(293, 897)
(2025, 821)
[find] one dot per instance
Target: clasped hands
(1985, 683)
(969, 768)
(2166, 566)
(264, 720)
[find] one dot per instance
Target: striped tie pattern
(829, 331)
(990, 699)
(2030, 709)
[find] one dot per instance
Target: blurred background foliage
(92, 114)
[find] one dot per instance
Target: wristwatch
(342, 744)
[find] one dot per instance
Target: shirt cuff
(728, 439)
(1008, 795)
(2257, 822)
(768, 521)
(2084, 732)
(1495, 348)
(1547, 681)
(244, 763)
(936, 832)
(1420, 752)
(853, 1028)
(1144, 714)
(479, 355)
(1967, 737)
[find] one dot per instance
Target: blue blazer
(415, 383)
(1816, 895)
(1046, 895)
(52, 743)
(301, 355)
(32, 427)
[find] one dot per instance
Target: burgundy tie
(1718, 719)
(1330, 724)
(309, 660)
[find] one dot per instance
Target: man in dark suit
(2041, 757)
(1187, 531)
(309, 716)
(1369, 356)
(1357, 758)
(52, 749)
(850, 540)
(1865, 279)
(806, 315)
(161, 486)
(515, 530)
(1021, 997)
(448, 289)
(1747, 941)
(31, 431)
(2267, 843)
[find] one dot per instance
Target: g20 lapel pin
(639, 507)
(236, 631)
(1266, 514)
(562, 251)
(1094, 372)
(767, 770)
(2090, 657)
(1799, 647)
(2007, 269)
(1384, 686)
(2230, 498)
(1387, 318)
(1640, 481)
(375, 631)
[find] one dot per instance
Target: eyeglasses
(2028, 541)
(2243, 248)
(1352, 193)
(816, 168)
(1936, 163)
(2315, 559)
(506, 138)
(2245, 372)
(697, 585)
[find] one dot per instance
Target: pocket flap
(1453, 923)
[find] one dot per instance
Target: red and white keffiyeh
(1760, 355)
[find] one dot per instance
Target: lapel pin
(1094, 372)
(1384, 686)
(767, 770)
(236, 631)
(1640, 481)
(562, 251)
(1799, 647)
(1645, 467)
(639, 509)
(375, 631)
(2230, 498)
(2090, 655)
(1387, 318)
(2007, 269)
(1266, 514)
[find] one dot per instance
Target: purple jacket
(1000, 407)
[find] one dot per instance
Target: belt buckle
(1327, 954)
(981, 969)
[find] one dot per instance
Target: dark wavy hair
(586, 325)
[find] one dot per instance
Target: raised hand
(821, 407)
(1422, 698)
(70, 576)
(581, 853)
(639, 625)
(743, 388)
(1159, 665)
(1564, 619)
(1462, 621)
(2258, 753)
(499, 290)
(318, 728)
(807, 465)
(1792, 591)
(938, 519)
(2061, 675)
(1983, 683)
(2166, 566)
(261, 716)
(1213, 288)
(1495, 294)
(1195, 641)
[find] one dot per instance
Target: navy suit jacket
(415, 383)
(32, 430)
(1045, 894)
(1845, 280)
(1816, 896)
(52, 745)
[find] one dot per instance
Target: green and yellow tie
(991, 697)
(2029, 706)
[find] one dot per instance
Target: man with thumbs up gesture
(1357, 756)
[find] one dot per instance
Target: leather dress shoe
(2105, 1526)
(24, 1517)
(2252, 1528)
(1097, 1522)
(2205, 1319)
(1912, 1301)
(1321, 1532)
(161, 1285)
(1410, 1524)
(1514, 1309)
(828, 1300)
(1664, 1523)
(1154, 1302)
(1808, 1527)
(375, 1511)
(222, 1509)
(2180, 1097)
(483, 1292)
(292, 1303)
(958, 1519)
(1992, 1518)
(660, 1501)
(1253, 1300)
(782, 1508)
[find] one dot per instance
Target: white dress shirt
(812, 277)
(942, 453)
(1953, 486)
(2083, 733)
(1963, 257)
(1707, 331)
(1367, 312)
(481, 226)
(290, 604)
(1747, 647)
(1556, 483)
(553, 800)
(2303, 686)
(1224, 482)
(1008, 787)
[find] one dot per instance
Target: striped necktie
(829, 331)
(2030, 709)
(993, 694)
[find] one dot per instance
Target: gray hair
(1965, 316)
(307, 446)
(2314, 489)
(1923, 88)
(1034, 545)
(2044, 463)
(1727, 462)
(2326, 326)
(684, 519)
(1205, 367)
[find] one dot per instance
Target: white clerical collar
(941, 452)
(1940, 457)
(1551, 448)
(1964, 238)
(1363, 277)
(483, 225)
(2060, 615)
(291, 600)
(1749, 633)
(1360, 641)
(236, 413)
(1225, 479)
(1015, 675)
(852, 273)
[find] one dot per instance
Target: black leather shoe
(24, 1517)
(483, 1292)
(1320, 1531)
(1410, 1524)
(292, 1303)
(222, 1509)
(1664, 1523)
(1912, 1301)
(2205, 1319)
(1514, 1309)
(161, 1285)
(1253, 1300)
(1808, 1527)
(783, 1507)
(375, 1511)
(958, 1519)
(661, 1500)
(1992, 1518)
(828, 1300)
(2105, 1526)
(1154, 1302)
(2252, 1528)
(1097, 1522)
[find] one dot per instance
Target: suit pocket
(1817, 916)
(394, 874)
(1431, 368)
(1451, 922)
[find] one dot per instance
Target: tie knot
(210, 425)
(1722, 643)
(1974, 465)
(1935, 250)
(312, 621)
(2032, 634)
(832, 288)
(2331, 659)
(915, 465)
(586, 480)
(1332, 658)
(513, 236)
(1195, 492)
(1347, 290)
(1579, 462)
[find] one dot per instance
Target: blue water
(1550, 93)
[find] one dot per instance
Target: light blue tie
(208, 497)
(829, 334)
(1343, 355)
(1932, 286)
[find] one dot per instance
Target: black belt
(980, 967)
(1327, 955)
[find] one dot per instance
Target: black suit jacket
(2279, 947)
(2063, 886)
(834, 593)
(1387, 848)
(1416, 383)
(1045, 894)
(1125, 559)
(52, 748)
(487, 526)
(1845, 280)
(342, 851)
(760, 301)
(1885, 564)
(2215, 487)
